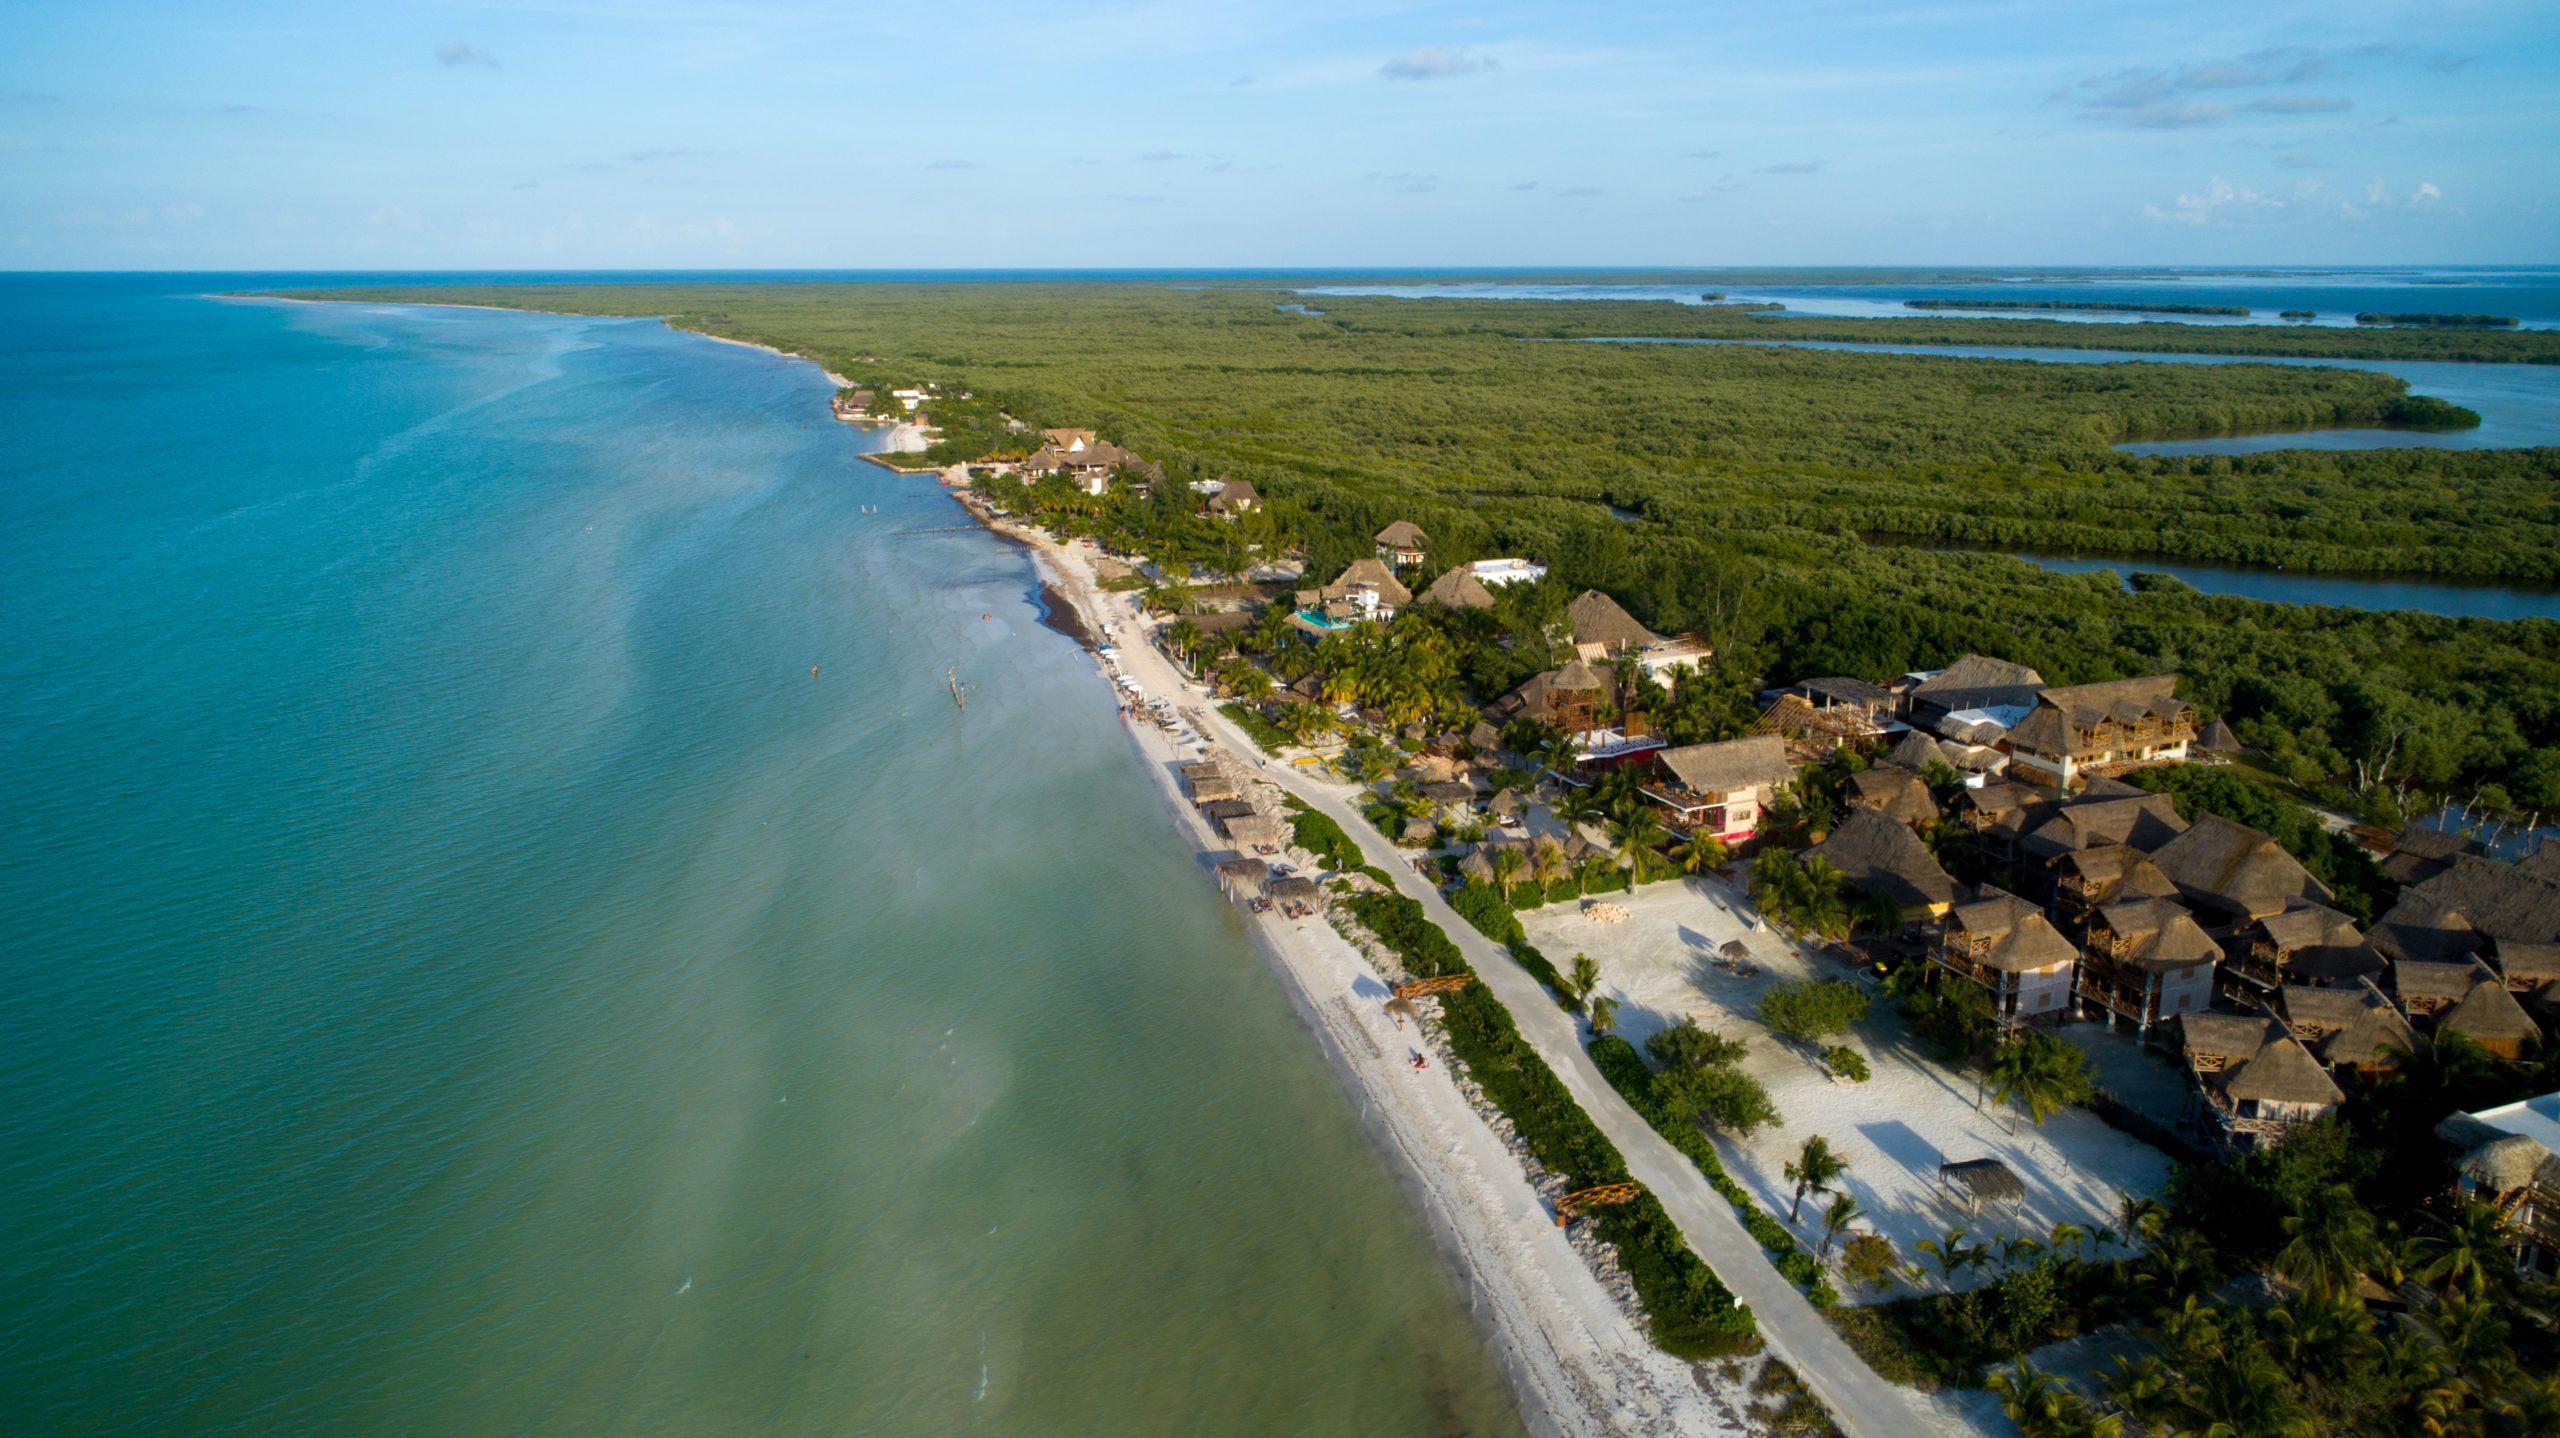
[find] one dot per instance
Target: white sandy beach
(1582, 1365)
(1896, 1128)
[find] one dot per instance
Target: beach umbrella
(1735, 949)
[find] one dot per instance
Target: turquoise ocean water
(466, 975)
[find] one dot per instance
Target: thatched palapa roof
(2018, 938)
(2282, 1071)
(1458, 589)
(1597, 619)
(2234, 869)
(2147, 823)
(1403, 534)
(2118, 872)
(1983, 1180)
(2500, 900)
(1729, 766)
(2490, 1015)
(1895, 792)
(2320, 944)
(1914, 751)
(1979, 682)
(2420, 930)
(2160, 934)
(2066, 721)
(1878, 856)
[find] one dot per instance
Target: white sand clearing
(1896, 1128)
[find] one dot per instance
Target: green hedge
(1481, 905)
(1319, 835)
(1632, 1077)
(1260, 730)
(1539, 969)
(1694, 1314)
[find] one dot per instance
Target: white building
(1507, 571)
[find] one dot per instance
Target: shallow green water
(468, 976)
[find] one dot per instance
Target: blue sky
(1313, 133)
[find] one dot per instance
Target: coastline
(1579, 1363)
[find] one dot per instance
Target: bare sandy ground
(1913, 1115)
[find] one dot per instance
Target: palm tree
(2467, 1251)
(2043, 1408)
(2328, 1241)
(1547, 862)
(1637, 836)
(2139, 1219)
(2147, 1390)
(1604, 1015)
(1836, 1219)
(1508, 866)
(1952, 1254)
(2067, 1233)
(2044, 1072)
(1880, 912)
(1700, 851)
(2246, 1396)
(1816, 1169)
(1248, 681)
(1582, 978)
(1576, 807)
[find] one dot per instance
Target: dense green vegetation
(2371, 317)
(1693, 1314)
(2240, 310)
(1727, 489)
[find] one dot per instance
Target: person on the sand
(1420, 1062)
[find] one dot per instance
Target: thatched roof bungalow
(1878, 856)
(1896, 792)
(2147, 960)
(2003, 943)
(2236, 872)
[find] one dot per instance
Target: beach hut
(1506, 807)
(1296, 895)
(1978, 1181)
(1242, 879)
(1259, 833)
(1208, 788)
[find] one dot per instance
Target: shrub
(1260, 730)
(1481, 905)
(1847, 1062)
(1813, 1012)
(1538, 967)
(1725, 1096)
(1319, 835)
(1869, 1261)
(1821, 1295)
(1799, 1268)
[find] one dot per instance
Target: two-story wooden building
(1718, 789)
(2106, 729)
(2146, 960)
(2003, 943)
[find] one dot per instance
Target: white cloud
(2297, 104)
(2220, 202)
(463, 52)
(1438, 62)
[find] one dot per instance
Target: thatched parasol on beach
(1735, 949)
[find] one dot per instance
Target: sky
(1314, 133)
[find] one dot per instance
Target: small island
(2445, 322)
(2300, 315)
(2113, 306)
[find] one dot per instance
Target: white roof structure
(2535, 1118)
(1507, 571)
